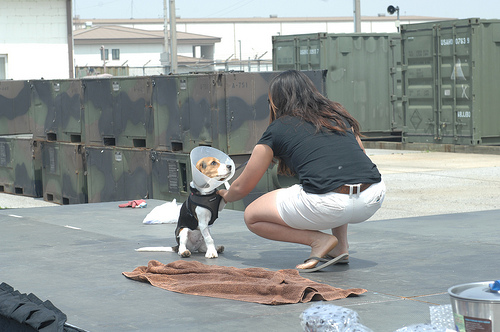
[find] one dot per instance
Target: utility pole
(69, 36)
(173, 38)
(103, 55)
(357, 15)
(164, 58)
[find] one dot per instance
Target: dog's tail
(159, 249)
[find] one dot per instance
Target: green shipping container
(20, 165)
(185, 112)
(63, 172)
(16, 112)
(118, 174)
(245, 101)
(363, 74)
(57, 110)
(118, 111)
(171, 175)
(450, 91)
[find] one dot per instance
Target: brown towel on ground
(249, 285)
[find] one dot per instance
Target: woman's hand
(222, 193)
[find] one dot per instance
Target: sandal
(327, 262)
(327, 257)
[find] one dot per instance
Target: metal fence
(217, 66)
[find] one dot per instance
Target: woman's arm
(260, 159)
(360, 143)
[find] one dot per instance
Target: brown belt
(345, 189)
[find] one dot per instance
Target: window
(115, 54)
(106, 54)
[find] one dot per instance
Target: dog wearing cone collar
(198, 213)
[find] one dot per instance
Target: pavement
(438, 227)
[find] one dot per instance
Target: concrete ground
(438, 228)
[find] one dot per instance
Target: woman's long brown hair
(292, 93)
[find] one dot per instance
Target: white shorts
(302, 210)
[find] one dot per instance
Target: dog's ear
(201, 165)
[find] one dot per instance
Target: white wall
(137, 55)
(185, 50)
(33, 38)
(134, 55)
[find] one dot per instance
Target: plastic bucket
(476, 306)
(200, 179)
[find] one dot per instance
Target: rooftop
(121, 34)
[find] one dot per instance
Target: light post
(391, 10)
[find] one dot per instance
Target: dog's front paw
(184, 254)
(211, 253)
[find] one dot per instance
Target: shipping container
(167, 116)
(63, 172)
(450, 81)
(171, 175)
(118, 111)
(185, 111)
(363, 74)
(245, 110)
(118, 174)
(57, 110)
(20, 165)
(199, 112)
(16, 114)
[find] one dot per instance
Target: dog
(198, 213)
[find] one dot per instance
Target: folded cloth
(250, 284)
(135, 203)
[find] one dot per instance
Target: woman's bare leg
(263, 219)
(343, 247)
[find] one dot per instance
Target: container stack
(450, 70)
(432, 83)
(125, 138)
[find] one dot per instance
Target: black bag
(21, 312)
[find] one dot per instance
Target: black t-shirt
(323, 161)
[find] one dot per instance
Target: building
(126, 51)
(36, 39)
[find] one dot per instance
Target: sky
(88, 9)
